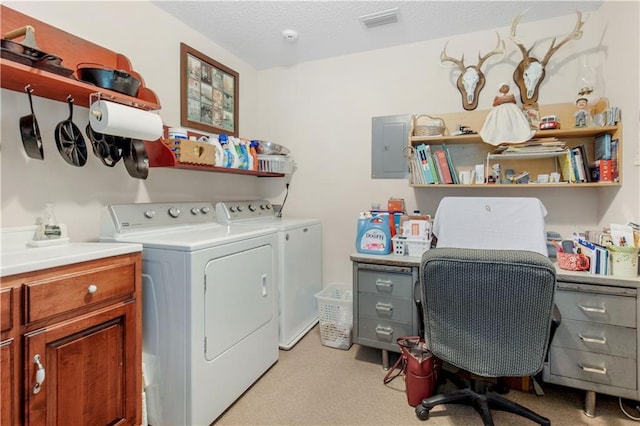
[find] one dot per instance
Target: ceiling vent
(380, 18)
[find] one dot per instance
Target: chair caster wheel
(422, 413)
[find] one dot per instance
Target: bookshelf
(466, 151)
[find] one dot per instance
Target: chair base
(482, 400)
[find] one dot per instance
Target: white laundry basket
(335, 312)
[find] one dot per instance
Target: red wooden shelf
(161, 156)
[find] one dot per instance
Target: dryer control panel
(238, 211)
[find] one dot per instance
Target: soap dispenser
(48, 229)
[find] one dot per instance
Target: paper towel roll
(120, 120)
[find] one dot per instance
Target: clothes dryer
(210, 326)
(299, 271)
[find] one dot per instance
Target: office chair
(487, 312)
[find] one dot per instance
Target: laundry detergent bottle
(224, 143)
(220, 158)
(374, 236)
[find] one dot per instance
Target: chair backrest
(488, 311)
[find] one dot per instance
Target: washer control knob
(174, 212)
(262, 207)
(240, 208)
(205, 210)
(268, 206)
(232, 209)
(252, 207)
(149, 214)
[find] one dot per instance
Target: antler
(574, 35)
(495, 51)
(518, 42)
(444, 58)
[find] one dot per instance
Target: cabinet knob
(92, 288)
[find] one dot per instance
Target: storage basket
(410, 246)
(335, 312)
(425, 125)
(187, 151)
(275, 164)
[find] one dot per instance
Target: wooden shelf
(161, 156)
(16, 76)
(467, 151)
(73, 51)
(557, 133)
(523, 185)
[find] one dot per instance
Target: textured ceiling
(252, 30)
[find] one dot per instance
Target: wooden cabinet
(76, 347)
(469, 150)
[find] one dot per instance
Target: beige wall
(325, 108)
(321, 110)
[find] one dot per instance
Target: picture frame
(208, 93)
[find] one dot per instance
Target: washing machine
(299, 271)
(210, 321)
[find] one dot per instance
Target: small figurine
(582, 115)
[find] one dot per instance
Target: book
(439, 178)
(424, 152)
(603, 171)
(614, 160)
(585, 162)
(567, 167)
(452, 168)
(602, 147)
(441, 157)
(434, 170)
(578, 165)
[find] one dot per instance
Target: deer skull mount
(530, 72)
(471, 79)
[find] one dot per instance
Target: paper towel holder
(97, 96)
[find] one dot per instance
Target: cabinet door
(89, 369)
(7, 375)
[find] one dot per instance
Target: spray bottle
(224, 143)
(253, 148)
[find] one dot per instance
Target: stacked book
(538, 146)
(433, 167)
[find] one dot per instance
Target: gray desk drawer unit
(596, 346)
(384, 306)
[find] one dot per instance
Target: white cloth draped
(514, 223)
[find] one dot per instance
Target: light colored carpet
(316, 385)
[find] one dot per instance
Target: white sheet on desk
(514, 223)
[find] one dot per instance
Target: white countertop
(17, 257)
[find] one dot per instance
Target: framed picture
(208, 93)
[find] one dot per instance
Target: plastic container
(410, 246)
(374, 236)
(624, 261)
(275, 164)
(335, 314)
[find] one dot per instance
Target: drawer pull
(597, 370)
(39, 374)
(593, 310)
(386, 308)
(384, 284)
(600, 340)
(92, 288)
(384, 332)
